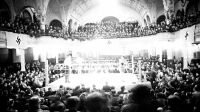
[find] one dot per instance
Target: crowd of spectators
(16, 85)
(57, 32)
(110, 29)
(172, 89)
(31, 27)
(22, 25)
(107, 29)
(56, 72)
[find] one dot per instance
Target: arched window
(28, 14)
(110, 18)
(160, 19)
(56, 23)
(5, 14)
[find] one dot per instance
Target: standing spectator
(106, 87)
(122, 91)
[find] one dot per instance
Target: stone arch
(28, 13)
(110, 18)
(5, 13)
(56, 23)
(160, 19)
(53, 11)
(19, 5)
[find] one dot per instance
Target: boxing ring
(99, 79)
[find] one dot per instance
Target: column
(121, 64)
(132, 61)
(153, 51)
(46, 66)
(68, 62)
(159, 53)
(168, 9)
(140, 70)
(41, 9)
(43, 20)
(188, 52)
(57, 58)
(149, 53)
(191, 51)
(64, 17)
(185, 59)
(185, 54)
(169, 54)
(22, 59)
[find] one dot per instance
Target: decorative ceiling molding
(138, 5)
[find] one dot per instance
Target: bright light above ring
(109, 8)
(108, 2)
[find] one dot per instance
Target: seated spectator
(122, 90)
(161, 100)
(140, 100)
(73, 104)
(49, 92)
(174, 104)
(106, 87)
(97, 102)
(57, 106)
(34, 105)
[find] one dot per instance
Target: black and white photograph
(99, 55)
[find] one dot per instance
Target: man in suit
(106, 87)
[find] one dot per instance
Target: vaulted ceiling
(129, 9)
(83, 10)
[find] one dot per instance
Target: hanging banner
(15, 40)
(186, 34)
(2, 39)
(197, 33)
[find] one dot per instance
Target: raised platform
(113, 79)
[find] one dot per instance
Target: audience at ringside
(172, 89)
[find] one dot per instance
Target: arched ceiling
(78, 10)
(137, 8)
(81, 6)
